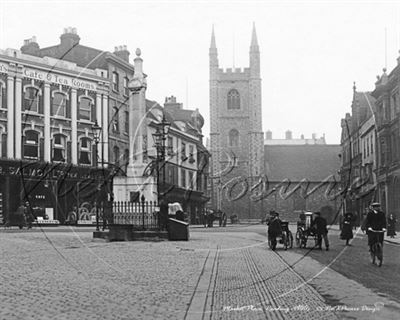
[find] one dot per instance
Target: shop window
(115, 81)
(126, 88)
(59, 104)
(31, 145)
(59, 146)
(84, 151)
(31, 99)
(85, 108)
(233, 138)
(233, 99)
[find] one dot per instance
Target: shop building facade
(47, 110)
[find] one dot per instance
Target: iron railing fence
(142, 215)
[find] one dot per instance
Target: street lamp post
(96, 130)
(160, 136)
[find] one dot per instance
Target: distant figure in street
(223, 218)
(180, 215)
(391, 226)
(71, 217)
(274, 228)
(163, 215)
(29, 218)
(347, 228)
(319, 224)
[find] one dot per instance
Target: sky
(311, 51)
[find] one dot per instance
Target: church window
(233, 138)
(233, 99)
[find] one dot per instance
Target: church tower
(236, 135)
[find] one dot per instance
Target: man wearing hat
(319, 224)
(274, 228)
(375, 220)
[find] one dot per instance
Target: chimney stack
(30, 47)
(268, 135)
(122, 52)
(69, 38)
(288, 135)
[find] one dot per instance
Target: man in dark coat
(347, 228)
(163, 217)
(274, 229)
(375, 220)
(319, 225)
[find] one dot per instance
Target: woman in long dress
(347, 228)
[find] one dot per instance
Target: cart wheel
(299, 236)
(285, 240)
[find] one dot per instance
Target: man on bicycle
(375, 220)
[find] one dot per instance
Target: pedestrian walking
(163, 215)
(274, 229)
(391, 226)
(71, 216)
(321, 230)
(29, 218)
(347, 228)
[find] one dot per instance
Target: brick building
(370, 147)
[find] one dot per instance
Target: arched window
(31, 145)
(59, 104)
(233, 138)
(233, 99)
(59, 146)
(84, 151)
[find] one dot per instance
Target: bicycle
(377, 247)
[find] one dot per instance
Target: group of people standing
(375, 219)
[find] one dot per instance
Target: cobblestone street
(65, 274)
